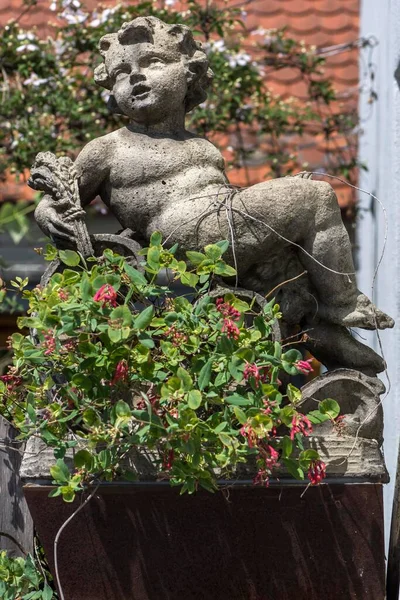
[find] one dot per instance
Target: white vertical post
(380, 150)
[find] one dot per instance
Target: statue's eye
(120, 74)
(156, 61)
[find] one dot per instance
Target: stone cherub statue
(155, 175)
(286, 234)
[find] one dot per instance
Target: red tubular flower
(271, 457)
(49, 343)
(262, 478)
(227, 310)
(106, 295)
(304, 366)
(169, 460)
(231, 330)
(316, 472)
(248, 432)
(252, 372)
(11, 381)
(300, 424)
(121, 372)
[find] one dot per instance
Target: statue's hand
(54, 224)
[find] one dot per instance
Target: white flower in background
(105, 94)
(170, 2)
(70, 4)
(35, 80)
(53, 6)
(29, 47)
(259, 31)
(26, 35)
(59, 47)
(74, 17)
(219, 46)
(241, 59)
(16, 141)
(100, 18)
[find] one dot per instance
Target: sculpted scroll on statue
(153, 175)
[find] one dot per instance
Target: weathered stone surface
(343, 457)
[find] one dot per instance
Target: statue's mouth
(140, 91)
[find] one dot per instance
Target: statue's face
(149, 81)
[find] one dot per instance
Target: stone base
(146, 542)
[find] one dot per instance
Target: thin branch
(12, 539)
(57, 539)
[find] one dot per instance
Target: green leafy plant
(51, 102)
(21, 579)
(115, 364)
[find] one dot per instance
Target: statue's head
(150, 66)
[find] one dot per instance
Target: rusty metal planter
(146, 542)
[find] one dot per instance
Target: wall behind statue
(379, 148)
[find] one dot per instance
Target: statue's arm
(91, 168)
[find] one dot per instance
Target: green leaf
(31, 571)
(236, 367)
(277, 350)
(226, 439)
(189, 279)
(122, 409)
(205, 375)
(82, 381)
(213, 251)
(31, 413)
(240, 415)
(60, 472)
(47, 593)
(69, 258)
(237, 400)
(156, 238)
(195, 257)
(308, 455)
(222, 268)
(123, 314)
(292, 356)
(86, 288)
(316, 417)
(90, 417)
(185, 378)
(115, 335)
(83, 458)
(144, 318)
(293, 468)
(293, 393)
(68, 493)
(134, 275)
(286, 445)
(153, 258)
(330, 408)
(194, 399)
(223, 245)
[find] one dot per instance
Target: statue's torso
(151, 178)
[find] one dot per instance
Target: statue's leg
(304, 215)
(328, 244)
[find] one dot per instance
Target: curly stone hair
(153, 30)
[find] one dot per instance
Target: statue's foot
(362, 313)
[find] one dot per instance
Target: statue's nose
(136, 76)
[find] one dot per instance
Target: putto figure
(153, 175)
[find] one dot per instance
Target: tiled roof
(322, 23)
